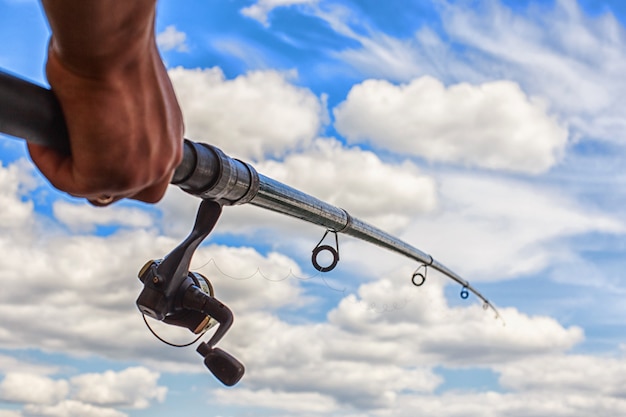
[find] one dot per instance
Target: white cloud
(374, 353)
(574, 374)
(382, 56)
(88, 282)
(554, 51)
(380, 346)
(84, 217)
(375, 349)
(495, 404)
(133, 387)
(262, 8)
(33, 389)
(172, 39)
(15, 181)
(251, 116)
(249, 282)
(424, 326)
(70, 408)
(94, 394)
(557, 51)
(555, 385)
(250, 54)
(307, 402)
(316, 358)
(503, 228)
(386, 194)
(493, 125)
(9, 364)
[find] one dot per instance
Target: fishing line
(263, 275)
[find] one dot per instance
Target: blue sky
(489, 134)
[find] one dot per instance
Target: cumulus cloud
(493, 125)
(388, 195)
(561, 385)
(172, 39)
(376, 345)
(89, 282)
(93, 395)
(133, 387)
(374, 350)
(250, 282)
(83, 282)
(85, 218)
(70, 408)
(425, 321)
(575, 374)
(254, 115)
(496, 404)
(33, 389)
(307, 402)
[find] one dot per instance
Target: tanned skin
(124, 122)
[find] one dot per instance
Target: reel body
(174, 295)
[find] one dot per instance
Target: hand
(125, 129)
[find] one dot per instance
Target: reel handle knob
(222, 364)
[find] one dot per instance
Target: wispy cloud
(574, 60)
(261, 9)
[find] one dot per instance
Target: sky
(487, 133)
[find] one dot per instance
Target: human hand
(125, 129)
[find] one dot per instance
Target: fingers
(57, 168)
(152, 194)
(53, 165)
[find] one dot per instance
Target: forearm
(99, 37)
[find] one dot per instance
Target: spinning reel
(174, 295)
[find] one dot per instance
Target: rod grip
(32, 112)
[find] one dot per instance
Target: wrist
(91, 46)
(102, 66)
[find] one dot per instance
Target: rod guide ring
(317, 251)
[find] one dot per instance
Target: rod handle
(33, 113)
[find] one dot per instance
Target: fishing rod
(172, 293)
